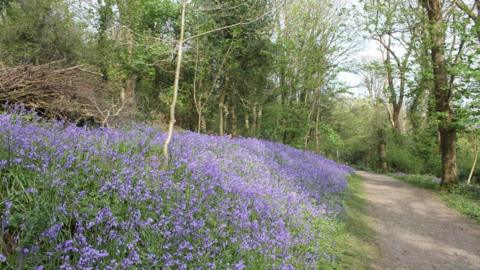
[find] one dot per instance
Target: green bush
(402, 159)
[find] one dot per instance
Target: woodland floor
(416, 230)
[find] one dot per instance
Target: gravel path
(416, 230)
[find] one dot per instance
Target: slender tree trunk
(317, 131)
(397, 110)
(198, 104)
(199, 122)
(254, 124)
(477, 21)
(443, 94)
(131, 77)
(306, 140)
(474, 165)
(382, 149)
(221, 106)
(234, 122)
(395, 113)
(130, 90)
(225, 118)
(176, 83)
(390, 114)
(204, 125)
(259, 119)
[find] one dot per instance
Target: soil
(416, 230)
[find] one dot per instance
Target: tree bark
(448, 144)
(443, 94)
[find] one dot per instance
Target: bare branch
(236, 24)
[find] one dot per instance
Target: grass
(465, 198)
(356, 245)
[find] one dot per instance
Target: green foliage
(37, 32)
(286, 124)
(331, 141)
(403, 159)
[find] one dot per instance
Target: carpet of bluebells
(78, 198)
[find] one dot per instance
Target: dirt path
(416, 230)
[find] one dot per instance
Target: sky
(367, 51)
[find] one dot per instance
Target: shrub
(402, 159)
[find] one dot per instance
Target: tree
(394, 25)
(442, 93)
(310, 46)
(374, 82)
(176, 83)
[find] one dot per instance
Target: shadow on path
(416, 230)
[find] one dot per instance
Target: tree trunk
(225, 118)
(317, 131)
(397, 110)
(395, 113)
(199, 121)
(254, 124)
(204, 125)
(474, 165)
(234, 122)
(176, 83)
(306, 140)
(382, 150)
(259, 119)
(131, 77)
(443, 94)
(198, 104)
(221, 105)
(448, 144)
(477, 22)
